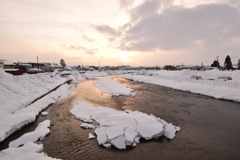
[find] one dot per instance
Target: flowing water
(210, 128)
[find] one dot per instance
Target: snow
(13, 122)
(170, 131)
(93, 74)
(74, 75)
(39, 133)
(119, 142)
(44, 113)
(25, 148)
(123, 128)
(27, 152)
(87, 126)
(91, 136)
(108, 85)
(214, 83)
(107, 145)
(24, 89)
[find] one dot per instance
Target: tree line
(227, 63)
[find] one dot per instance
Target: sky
(120, 32)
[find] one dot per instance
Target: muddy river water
(210, 128)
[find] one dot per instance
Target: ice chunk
(114, 131)
(83, 111)
(136, 139)
(107, 85)
(44, 113)
(130, 135)
(148, 126)
(119, 142)
(121, 128)
(91, 136)
(40, 132)
(169, 131)
(87, 126)
(101, 135)
(177, 128)
(107, 145)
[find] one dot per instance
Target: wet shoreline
(209, 127)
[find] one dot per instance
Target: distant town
(19, 68)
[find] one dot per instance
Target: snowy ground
(122, 128)
(211, 83)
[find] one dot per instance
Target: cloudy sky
(120, 32)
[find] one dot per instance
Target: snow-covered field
(212, 83)
(122, 128)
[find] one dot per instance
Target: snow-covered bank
(19, 91)
(13, 122)
(25, 148)
(122, 128)
(210, 83)
(108, 85)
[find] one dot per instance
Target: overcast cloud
(178, 28)
(207, 29)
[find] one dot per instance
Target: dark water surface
(210, 128)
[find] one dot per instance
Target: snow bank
(76, 76)
(107, 85)
(27, 152)
(39, 133)
(122, 128)
(24, 148)
(19, 91)
(13, 122)
(209, 84)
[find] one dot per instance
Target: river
(210, 128)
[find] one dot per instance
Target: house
(10, 67)
(48, 68)
(8, 64)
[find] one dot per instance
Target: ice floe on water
(25, 148)
(87, 126)
(29, 151)
(44, 113)
(39, 133)
(108, 85)
(123, 128)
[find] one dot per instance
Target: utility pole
(217, 61)
(37, 64)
